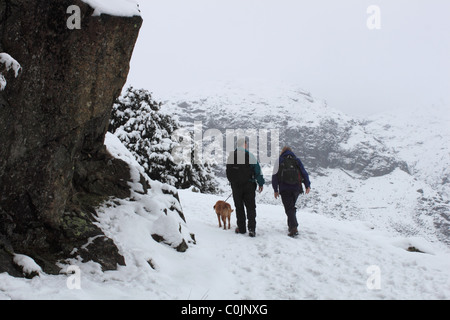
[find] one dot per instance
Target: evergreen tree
(138, 122)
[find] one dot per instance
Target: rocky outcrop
(344, 145)
(323, 137)
(54, 168)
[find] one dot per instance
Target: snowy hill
(359, 169)
(326, 137)
(368, 230)
(421, 138)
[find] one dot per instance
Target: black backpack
(289, 171)
(238, 167)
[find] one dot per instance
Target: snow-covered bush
(138, 122)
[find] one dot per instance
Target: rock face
(321, 136)
(53, 119)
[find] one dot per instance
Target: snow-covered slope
(330, 259)
(420, 137)
(365, 233)
(324, 137)
(358, 170)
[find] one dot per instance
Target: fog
(337, 50)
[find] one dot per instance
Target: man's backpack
(238, 167)
(289, 171)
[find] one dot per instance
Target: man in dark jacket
(243, 175)
(290, 192)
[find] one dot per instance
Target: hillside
(370, 228)
(326, 137)
(421, 138)
(391, 171)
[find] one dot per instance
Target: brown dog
(223, 211)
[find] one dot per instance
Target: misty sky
(324, 46)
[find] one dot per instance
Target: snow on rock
(158, 213)
(28, 265)
(119, 151)
(9, 63)
(122, 8)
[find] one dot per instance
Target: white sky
(324, 46)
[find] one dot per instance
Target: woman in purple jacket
(290, 188)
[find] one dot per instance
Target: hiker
(244, 173)
(288, 176)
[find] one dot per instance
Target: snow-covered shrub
(138, 122)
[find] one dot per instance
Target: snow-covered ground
(354, 236)
(330, 259)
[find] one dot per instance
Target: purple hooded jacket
(280, 186)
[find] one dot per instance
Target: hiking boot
(293, 232)
(252, 233)
(238, 231)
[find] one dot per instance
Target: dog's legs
(220, 222)
(229, 224)
(224, 219)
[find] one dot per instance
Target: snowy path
(329, 260)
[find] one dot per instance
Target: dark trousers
(289, 198)
(244, 195)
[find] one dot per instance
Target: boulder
(54, 168)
